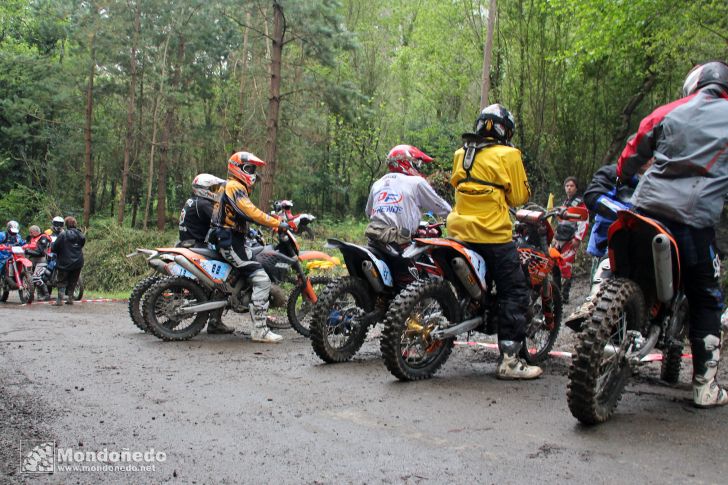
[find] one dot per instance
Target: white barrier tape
(657, 357)
(91, 300)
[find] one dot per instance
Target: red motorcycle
(18, 275)
(299, 222)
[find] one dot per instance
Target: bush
(106, 266)
(27, 206)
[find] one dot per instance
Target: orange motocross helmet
(243, 167)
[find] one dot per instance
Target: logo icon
(390, 198)
(37, 456)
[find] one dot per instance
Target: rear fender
(354, 255)
(630, 248)
(443, 250)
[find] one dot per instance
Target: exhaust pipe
(662, 258)
(182, 261)
(158, 265)
(466, 277)
(372, 276)
(202, 307)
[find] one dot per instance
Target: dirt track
(226, 410)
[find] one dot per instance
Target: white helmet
(286, 204)
(13, 227)
(206, 186)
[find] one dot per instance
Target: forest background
(109, 108)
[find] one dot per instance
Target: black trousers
(68, 279)
(700, 268)
(504, 266)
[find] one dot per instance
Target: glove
(283, 226)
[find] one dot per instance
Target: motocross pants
(504, 265)
(240, 257)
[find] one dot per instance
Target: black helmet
(713, 72)
(495, 121)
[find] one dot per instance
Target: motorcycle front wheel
(599, 370)
(26, 292)
(337, 327)
(163, 300)
(409, 352)
(300, 309)
(543, 329)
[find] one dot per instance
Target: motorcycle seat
(208, 253)
(256, 250)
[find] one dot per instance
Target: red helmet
(406, 159)
(242, 166)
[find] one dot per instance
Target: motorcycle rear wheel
(135, 301)
(307, 232)
(337, 332)
(597, 376)
(672, 356)
(300, 310)
(163, 298)
(408, 352)
(540, 338)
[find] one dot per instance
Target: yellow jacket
(235, 210)
(480, 214)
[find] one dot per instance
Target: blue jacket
(10, 240)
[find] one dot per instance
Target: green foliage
(106, 266)
(27, 206)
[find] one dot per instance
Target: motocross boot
(261, 332)
(511, 365)
(59, 297)
(215, 325)
(707, 393)
(43, 294)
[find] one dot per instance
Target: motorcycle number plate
(478, 263)
(384, 271)
(178, 270)
(18, 250)
(217, 269)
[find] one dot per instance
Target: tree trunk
(89, 162)
(241, 91)
(129, 115)
(274, 101)
(622, 131)
(487, 54)
(157, 102)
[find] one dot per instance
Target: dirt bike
(350, 305)
(276, 264)
(300, 223)
(424, 319)
(639, 307)
(17, 275)
(177, 307)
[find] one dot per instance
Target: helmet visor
(249, 168)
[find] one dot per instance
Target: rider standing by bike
(194, 224)
(569, 235)
(37, 250)
(396, 201)
(68, 247)
(685, 189)
(230, 220)
(489, 177)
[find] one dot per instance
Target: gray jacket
(688, 138)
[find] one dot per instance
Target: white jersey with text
(399, 200)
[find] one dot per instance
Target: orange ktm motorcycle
(177, 307)
(423, 321)
(639, 307)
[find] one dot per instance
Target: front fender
(26, 263)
